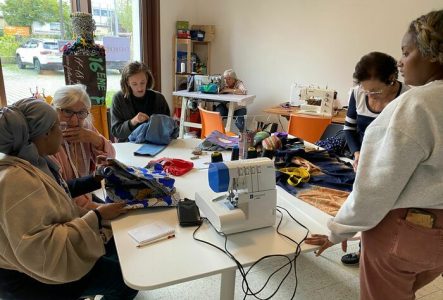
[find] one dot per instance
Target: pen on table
(156, 240)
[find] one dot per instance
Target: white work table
(241, 100)
(182, 258)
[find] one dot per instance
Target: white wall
(271, 44)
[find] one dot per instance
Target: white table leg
(182, 118)
(227, 286)
(230, 115)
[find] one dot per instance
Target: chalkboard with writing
(87, 70)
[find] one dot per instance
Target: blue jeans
(105, 279)
(238, 113)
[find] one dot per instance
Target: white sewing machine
(316, 101)
(251, 196)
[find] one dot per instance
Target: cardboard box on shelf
(182, 25)
(208, 29)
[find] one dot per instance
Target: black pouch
(188, 213)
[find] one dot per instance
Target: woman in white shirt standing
(397, 200)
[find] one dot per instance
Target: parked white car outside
(41, 54)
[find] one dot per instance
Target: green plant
(109, 95)
(8, 45)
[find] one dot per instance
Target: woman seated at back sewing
(235, 86)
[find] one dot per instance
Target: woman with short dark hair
(136, 101)
(376, 78)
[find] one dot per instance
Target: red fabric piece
(174, 166)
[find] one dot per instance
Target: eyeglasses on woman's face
(82, 114)
(371, 93)
(372, 87)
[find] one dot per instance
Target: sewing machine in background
(251, 197)
(313, 100)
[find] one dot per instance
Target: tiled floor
(319, 278)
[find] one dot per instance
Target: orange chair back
(211, 120)
(308, 128)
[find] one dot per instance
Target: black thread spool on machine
(216, 157)
(252, 153)
(235, 153)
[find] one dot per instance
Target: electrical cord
(290, 262)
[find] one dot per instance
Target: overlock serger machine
(245, 197)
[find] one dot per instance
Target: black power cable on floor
(291, 262)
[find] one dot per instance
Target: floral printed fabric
(139, 187)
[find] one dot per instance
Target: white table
(241, 100)
(182, 258)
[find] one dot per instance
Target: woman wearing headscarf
(82, 143)
(397, 199)
(48, 250)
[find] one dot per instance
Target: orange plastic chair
(308, 128)
(211, 120)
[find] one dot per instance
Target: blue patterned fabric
(139, 187)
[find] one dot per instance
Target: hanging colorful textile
(84, 62)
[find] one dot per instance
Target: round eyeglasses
(371, 93)
(83, 114)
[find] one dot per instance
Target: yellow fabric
(296, 175)
(100, 119)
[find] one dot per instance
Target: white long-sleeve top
(401, 162)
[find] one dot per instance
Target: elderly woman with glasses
(235, 86)
(397, 200)
(376, 75)
(82, 143)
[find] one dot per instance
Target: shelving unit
(183, 50)
(194, 55)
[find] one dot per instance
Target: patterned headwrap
(20, 123)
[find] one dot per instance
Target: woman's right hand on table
(111, 211)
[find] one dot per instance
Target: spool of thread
(252, 153)
(216, 157)
(235, 153)
(268, 153)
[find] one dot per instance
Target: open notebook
(151, 233)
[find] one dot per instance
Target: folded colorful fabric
(139, 187)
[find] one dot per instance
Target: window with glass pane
(30, 49)
(117, 29)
